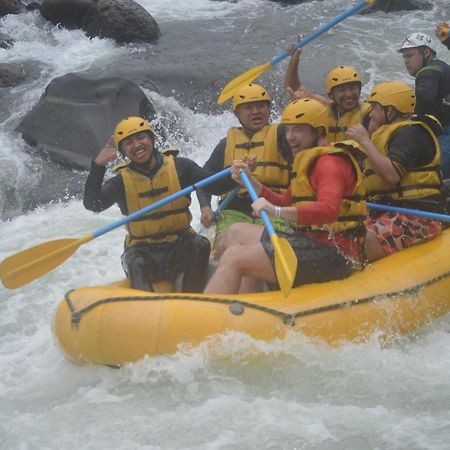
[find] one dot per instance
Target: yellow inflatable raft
(114, 324)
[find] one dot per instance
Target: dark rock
(77, 114)
(122, 20)
(399, 5)
(11, 7)
(5, 41)
(11, 75)
(68, 13)
(33, 6)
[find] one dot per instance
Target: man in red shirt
(325, 203)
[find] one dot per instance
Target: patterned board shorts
(395, 231)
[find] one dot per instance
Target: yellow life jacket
(353, 210)
(167, 222)
(420, 182)
(271, 168)
(338, 125)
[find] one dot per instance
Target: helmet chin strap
(425, 59)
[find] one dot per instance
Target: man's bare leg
(237, 262)
(237, 234)
(242, 234)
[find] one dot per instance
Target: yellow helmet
(306, 110)
(341, 75)
(394, 93)
(250, 93)
(129, 126)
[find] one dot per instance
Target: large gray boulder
(77, 113)
(68, 13)
(122, 20)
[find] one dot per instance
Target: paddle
(412, 212)
(285, 258)
(226, 201)
(247, 77)
(27, 265)
(223, 205)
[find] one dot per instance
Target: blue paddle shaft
(254, 197)
(162, 202)
(412, 212)
(222, 206)
(226, 201)
(321, 30)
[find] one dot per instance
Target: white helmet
(415, 40)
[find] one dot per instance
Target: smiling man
(343, 86)
(159, 245)
(255, 137)
(432, 86)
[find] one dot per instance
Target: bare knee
(231, 237)
(232, 257)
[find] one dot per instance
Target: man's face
(413, 59)
(254, 115)
(346, 96)
(300, 137)
(138, 147)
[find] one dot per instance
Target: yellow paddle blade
(27, 265)
(285, 263)
(247, 77)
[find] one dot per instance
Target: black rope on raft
(237, 307)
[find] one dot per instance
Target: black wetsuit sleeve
(427, 89)
(189, 173)
(411, 147)
(447, 43)
(214, 164)
(99, 196)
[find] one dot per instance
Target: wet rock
(32, 6)
(399, 5)
(122, 20)
(11, 7)
(68, 13)
(11, 75)
(77, 113)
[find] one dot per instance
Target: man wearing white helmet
(432, 86)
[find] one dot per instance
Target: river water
(236, 393)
